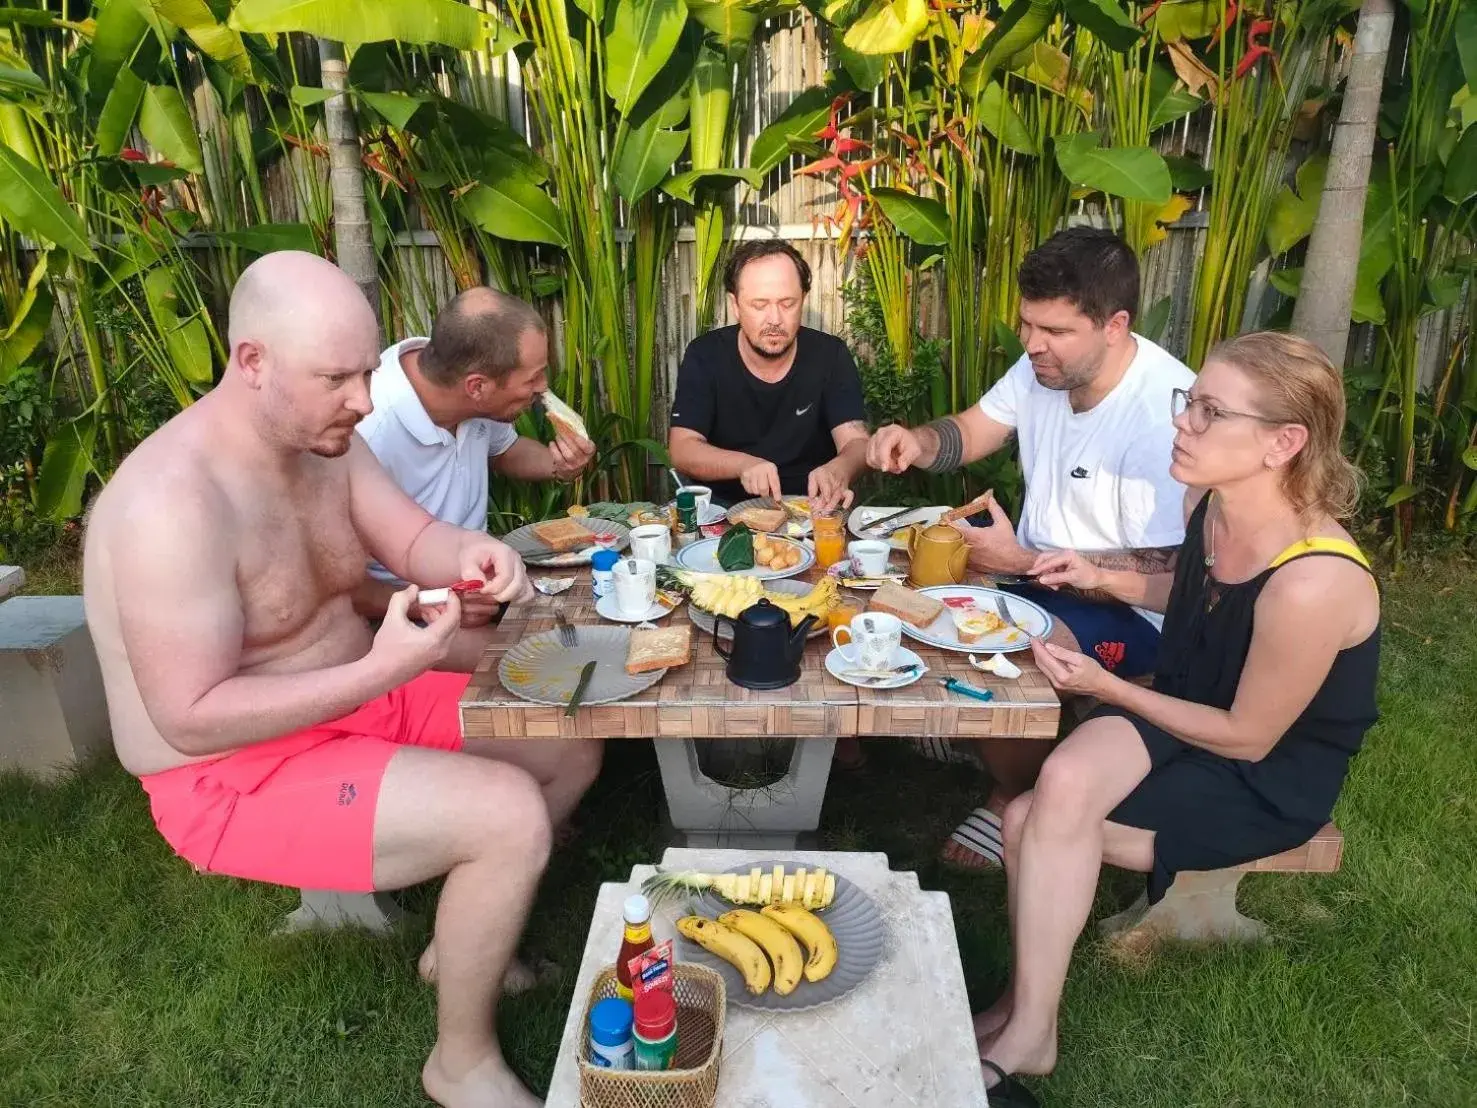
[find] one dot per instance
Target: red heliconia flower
(129, 154)
(825, 165)
(1255, 50)
(854, 169)
(1232, 11)
(830, 130)
(849, 145)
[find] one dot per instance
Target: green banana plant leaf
(395, 108)
(185, 338)
(1460, 183)
(732, 22)
(796, 125)
(31, 204)
(865, 70)
(1466, 45)
(121, 30)
(28, 323)
(1295, 207)
(1106, 20)
(998, 116)
(65, 465)
(1023, 23)
(1170, 98)
(1129, 172)
(447, 22)
(267, 237)
(21, 80)
(166, 123)
(920, 218)
(712, 98)
(684, 186)
(513, 207)
(645, 158)
(887, 26)
(669, 96)
(643, 34)
(217, 41)
(1179, 20)
(120, 110)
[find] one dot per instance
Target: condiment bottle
(687, 528)
(602, 562)
(636, 940)
(611, 1044)
(655, 1037)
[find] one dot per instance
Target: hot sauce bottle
(635, 941)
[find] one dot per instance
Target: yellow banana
(731, 946)
(778, 943)
(810, 929)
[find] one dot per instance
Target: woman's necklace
(1210, 535)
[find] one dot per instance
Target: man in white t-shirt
(443, 409)
(1089, 404)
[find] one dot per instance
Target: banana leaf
(736, 549)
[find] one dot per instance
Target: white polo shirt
(445, 473)
(1097, 480)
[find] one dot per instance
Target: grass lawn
(125, 979)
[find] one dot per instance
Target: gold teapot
(939, 554)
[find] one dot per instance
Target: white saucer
(609, 609)
(836, 665)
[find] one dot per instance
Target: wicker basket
(701, 1000)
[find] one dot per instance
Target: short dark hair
(1092, 268)
(480, 331)
(751, 250)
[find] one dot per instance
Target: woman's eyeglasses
(1203, 413)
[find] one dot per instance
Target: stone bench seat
(1201, 905)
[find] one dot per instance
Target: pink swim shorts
(299, 810)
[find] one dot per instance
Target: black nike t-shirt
(788, 422)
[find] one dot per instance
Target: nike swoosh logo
(802, 411)
(1079, 472)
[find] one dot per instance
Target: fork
(1005, 612)
(567, 634)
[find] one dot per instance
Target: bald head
(480, 332)
(293, 296)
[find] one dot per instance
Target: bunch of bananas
(728, 594)
(753, 942)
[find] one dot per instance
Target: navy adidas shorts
(1122, 640)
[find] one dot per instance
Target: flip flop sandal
(980, 834)
(1007, 1092)
(946, 751)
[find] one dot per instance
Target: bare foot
(517, 978)
(488, 1084)
(1018, 1049)
(993, 1018)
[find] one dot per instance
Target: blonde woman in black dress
(1264, 688)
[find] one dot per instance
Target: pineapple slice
(777, 888)
(766, 887)
(799, 886)
(787, 896)
(830, 893)
(741, 890)
(756, 876)
(807, 898)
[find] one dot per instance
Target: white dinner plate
(607, 608)
(862, 518)
(1034, 620)
(838, 667)
(702, 557)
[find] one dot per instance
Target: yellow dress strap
(1322, 545)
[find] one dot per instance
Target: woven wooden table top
(697, 701)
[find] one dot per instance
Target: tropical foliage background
(150, 149)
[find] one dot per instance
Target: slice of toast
(563, 416)
(659, 649)
(978, 504)
(909, 606)
(767, 520)
(563, 535)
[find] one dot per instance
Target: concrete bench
(51, 690)
(1202, 905)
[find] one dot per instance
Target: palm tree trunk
(1326, 299)
(353, 239)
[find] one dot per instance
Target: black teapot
(766, 652)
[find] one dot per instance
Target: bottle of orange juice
(830, 539)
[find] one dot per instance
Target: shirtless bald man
(277, 738)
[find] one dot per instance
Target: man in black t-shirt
(768, 407)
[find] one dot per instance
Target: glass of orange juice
(843, 613)
(830, 538)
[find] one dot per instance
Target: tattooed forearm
(1149, 561)
(949, 451)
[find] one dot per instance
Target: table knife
(579, 690)
(873, 527)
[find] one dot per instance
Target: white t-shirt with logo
(1097, 480)
(444, 472)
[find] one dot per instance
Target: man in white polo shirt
(443, 409)
(1089, 404)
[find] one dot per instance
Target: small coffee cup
(702, 496)
(635, 585)
(873, 640)
(653, 542)
(868, 557)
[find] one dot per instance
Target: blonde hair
(1296, 383)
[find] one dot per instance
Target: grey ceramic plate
(533, 550)
(705, 622)
(702, 557)
(543, 670)
(854, 921)
(803, 526)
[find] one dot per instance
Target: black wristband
(951, 446)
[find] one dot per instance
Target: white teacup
(874, 640)
(868, 557)
(635, 585)
(653, 542)
(702, 496)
